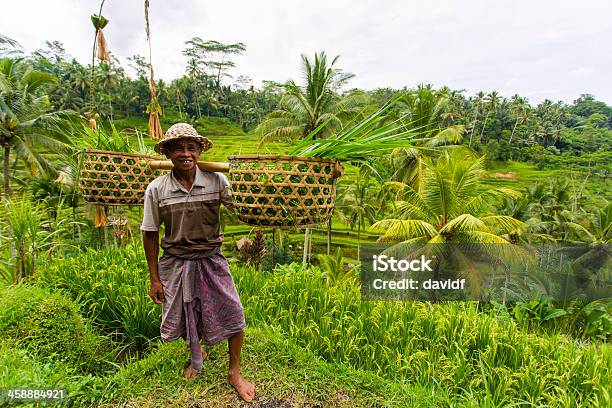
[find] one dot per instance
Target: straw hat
(181, 131)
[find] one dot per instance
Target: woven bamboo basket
(283, 191)
(113, 178)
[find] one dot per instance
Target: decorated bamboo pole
(99, 49)
(154, 109)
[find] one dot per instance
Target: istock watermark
(487, 272)
(384, 263)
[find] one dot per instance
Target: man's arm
(150, 241)
(225, 193)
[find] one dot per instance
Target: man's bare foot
(189, 372)
(245, 389)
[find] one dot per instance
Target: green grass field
(285, 374)
(520, 175)
(308, 343)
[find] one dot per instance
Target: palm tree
(600, 225)
(425, 110)
(108, 79)
(26, 124)
(8, 45)
(521, 208)
(478, 99)
(598, 236)
(452, 207)
(358, 206)
(195, 74)
(304, 108)
(519, 108)
(492, 103)
(6, 40)
(550, 122)
(453, 110)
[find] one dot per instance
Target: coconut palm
(599, 229)
(454, 105)
(519, 108)
(452, 207)
(108, 79)
(597, 235)
(8, 41)
(553, 207)
(26, 123)
(8, 45)
(477, 100)
(425, 110)
(550, 117)
(358, 206)
(548, 212)
(527, 208)
(303, 108)
(492, 103)
(425, 107)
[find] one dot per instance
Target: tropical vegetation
(421, 166)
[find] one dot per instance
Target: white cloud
(540, 49)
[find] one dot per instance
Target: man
(192, 279)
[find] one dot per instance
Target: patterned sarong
(200, 299)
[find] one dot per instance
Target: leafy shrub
(591, 320)
(335, 271)
(49, 325)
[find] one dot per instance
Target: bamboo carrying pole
(208, 166)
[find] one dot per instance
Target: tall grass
(113, 288)
(27, 233)
(49, 325)
(480, 358)
(475, 356)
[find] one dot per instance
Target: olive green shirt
(190, 218)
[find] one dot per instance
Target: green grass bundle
(108, 138)
(370, 138)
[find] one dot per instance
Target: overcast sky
(538, 49)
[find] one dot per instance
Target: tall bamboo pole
(154, 108)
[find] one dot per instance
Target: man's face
(184, 154)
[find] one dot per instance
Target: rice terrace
(305, 205)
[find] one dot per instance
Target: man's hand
(157, 292)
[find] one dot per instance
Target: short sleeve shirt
(190, 218)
